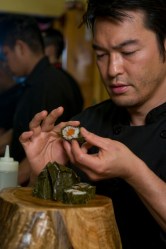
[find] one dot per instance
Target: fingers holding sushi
(113, 158)
(70, 132)
(43, 144)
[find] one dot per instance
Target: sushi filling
(70, 132)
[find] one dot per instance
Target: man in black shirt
(124, 153)
(10, 94)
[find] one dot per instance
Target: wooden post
(27, 222)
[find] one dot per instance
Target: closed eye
(99, 56)
(128, 53)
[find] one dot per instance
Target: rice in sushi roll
(72, 132)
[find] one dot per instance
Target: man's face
(13, 60)
(129, 61)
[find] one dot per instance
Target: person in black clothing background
(10, 93)
(9, 96)
(45, 86)
(125, 150)
(54, 43)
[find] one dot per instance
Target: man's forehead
(129, 16)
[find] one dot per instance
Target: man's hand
(43, 142)
(113, 159)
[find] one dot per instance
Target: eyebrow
(121, 45)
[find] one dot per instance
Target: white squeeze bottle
(8, 170)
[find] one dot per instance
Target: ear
(20, 48)
(165, 44)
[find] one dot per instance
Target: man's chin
(124, 103)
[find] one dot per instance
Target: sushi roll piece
(72, 132)
(82, 186)
(73, 196)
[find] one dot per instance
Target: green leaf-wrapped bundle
(60, 183)
(53, 180)
(61, 178)
(43, 188)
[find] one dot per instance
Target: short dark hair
(15, 27)
(56, 38)
(154, 10)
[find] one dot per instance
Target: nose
(115, 65)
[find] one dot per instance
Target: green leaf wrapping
(60, 183)
(72, 196)
(43, 188)
(62, 178)
(52, 181)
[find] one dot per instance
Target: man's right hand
(43, 143)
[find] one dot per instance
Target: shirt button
(163, 134)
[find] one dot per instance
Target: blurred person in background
(45, 86)
(10, 94)
(6, 78)
(54, 43)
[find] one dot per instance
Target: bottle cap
(7, 163)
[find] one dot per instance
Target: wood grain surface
(27, 222)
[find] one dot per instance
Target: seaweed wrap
(82, 186)
(73, 196)
(52, 181)
(60, 183)
(43, 188)
(62, 178)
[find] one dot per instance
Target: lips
(119, 89)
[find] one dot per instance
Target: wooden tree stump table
(27, 222)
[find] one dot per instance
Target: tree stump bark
(27, 222)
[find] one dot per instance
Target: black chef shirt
(137, 227)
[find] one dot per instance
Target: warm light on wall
(34, 7)
(75, 4)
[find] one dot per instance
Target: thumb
(92, 138)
